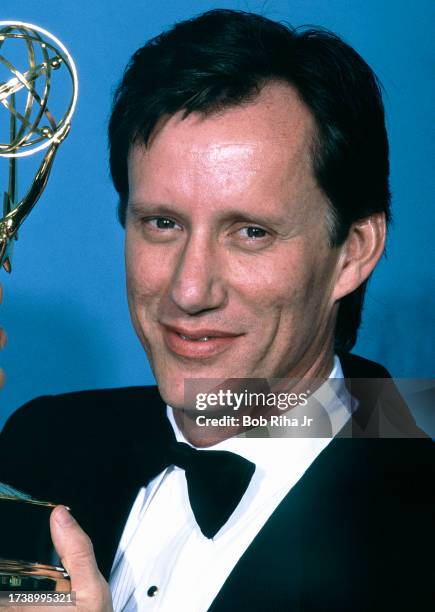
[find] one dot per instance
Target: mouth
(197, 344)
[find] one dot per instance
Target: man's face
(229, 272)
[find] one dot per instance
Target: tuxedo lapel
(296, 541)
(135, 463)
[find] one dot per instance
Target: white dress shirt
(165, 563)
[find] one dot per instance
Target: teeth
(203, 339)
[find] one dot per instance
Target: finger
(3, 338)
(2, 378)
(75, 551)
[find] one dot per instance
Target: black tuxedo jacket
(355, 533)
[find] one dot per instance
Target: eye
(252, 238)
(251, 231)
(161, 223)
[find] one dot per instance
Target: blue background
(64, 306)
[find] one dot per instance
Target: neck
(214, 425)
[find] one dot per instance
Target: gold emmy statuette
(34, 66)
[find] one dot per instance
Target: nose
(197, 284)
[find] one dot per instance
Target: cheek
(144, 270)
(274, 282)
(288, 290)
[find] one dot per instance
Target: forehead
(263, 145)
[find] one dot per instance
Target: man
(251, 163)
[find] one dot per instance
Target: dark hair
(223, 58)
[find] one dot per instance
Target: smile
(199, 344)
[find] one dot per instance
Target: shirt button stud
(152, 591)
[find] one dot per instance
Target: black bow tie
(216, 482)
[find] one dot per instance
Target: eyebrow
(247, 217)
(137, 209)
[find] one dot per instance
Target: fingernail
(63, 517)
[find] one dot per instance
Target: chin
(171, 388)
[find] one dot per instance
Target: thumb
(75, 550)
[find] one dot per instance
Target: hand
(76, 553)
(77, 556)
(2, 342)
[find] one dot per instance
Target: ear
(360, 253)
